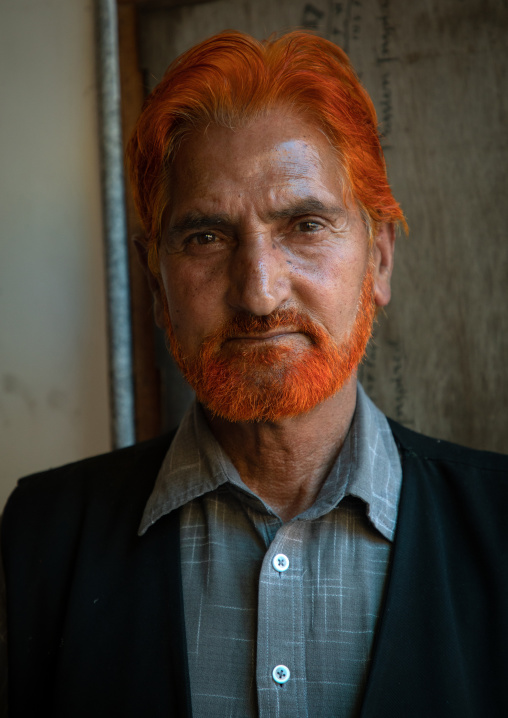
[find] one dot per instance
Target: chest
(258, 595)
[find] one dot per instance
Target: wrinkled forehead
(275, 164)
(270, 156)
(251, 129)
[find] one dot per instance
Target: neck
(286, 462)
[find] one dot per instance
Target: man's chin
(264, 389)
(270, 386)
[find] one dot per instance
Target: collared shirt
(280, 617)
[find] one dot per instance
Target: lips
(259, 336)
(280, 323)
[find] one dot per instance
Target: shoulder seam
(410, 452)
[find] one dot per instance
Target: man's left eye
(308, 226)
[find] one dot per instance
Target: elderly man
(289, 552)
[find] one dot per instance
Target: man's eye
(308, 226)
(202, 239)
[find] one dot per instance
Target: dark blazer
(96, 614)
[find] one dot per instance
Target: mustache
(245, 323)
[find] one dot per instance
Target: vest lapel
(417, 667)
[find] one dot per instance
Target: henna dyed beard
(269, 383)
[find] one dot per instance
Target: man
(289, 552)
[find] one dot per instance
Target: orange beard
(276, 382)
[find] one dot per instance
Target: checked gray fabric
(244, 616)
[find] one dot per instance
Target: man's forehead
(293, 137)
(274, 155)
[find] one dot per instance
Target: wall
(53, 357)
(436, 71)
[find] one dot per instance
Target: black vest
(95, 613)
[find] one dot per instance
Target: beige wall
(53, 363)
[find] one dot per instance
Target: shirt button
(280, 674)
(280, 562)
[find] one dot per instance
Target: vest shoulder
(96, 475)
(412, 443)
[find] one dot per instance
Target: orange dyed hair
(232, 78)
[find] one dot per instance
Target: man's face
(264, 269)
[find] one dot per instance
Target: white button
(280, 562)
(280, 674)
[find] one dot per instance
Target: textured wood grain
(437, 74)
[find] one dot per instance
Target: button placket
(281, 652)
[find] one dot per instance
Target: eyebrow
(195, 221)
(308, 205)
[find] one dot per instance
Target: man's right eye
(202, 239)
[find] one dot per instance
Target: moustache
(249, 324)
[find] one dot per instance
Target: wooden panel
(437, 74)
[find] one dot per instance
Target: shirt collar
(194, 465)
(371, 460)
(367, 467)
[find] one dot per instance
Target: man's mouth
(281, 333)
(260, 336)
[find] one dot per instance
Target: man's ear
(383, 251)
(154, 284)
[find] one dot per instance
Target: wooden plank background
(437, 72)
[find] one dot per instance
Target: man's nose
(259, 276)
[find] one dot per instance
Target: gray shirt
(267, 601)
